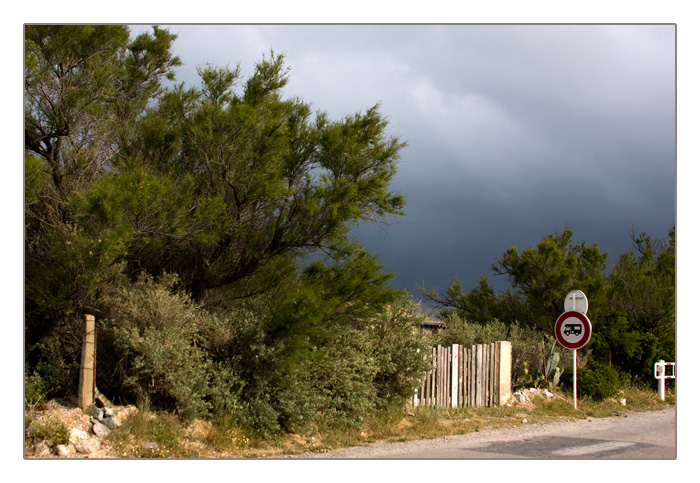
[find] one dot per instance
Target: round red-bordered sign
(573, 329)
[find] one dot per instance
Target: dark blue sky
(513, 131)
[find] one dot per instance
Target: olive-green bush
(597, 381)
(158, 347)
(150, 341)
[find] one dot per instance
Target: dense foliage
(206, 228)
(631, 308)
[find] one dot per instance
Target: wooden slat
(445, 377)
(487, 364)
(472, 374)
(433, 401)
(469, 377)
(484, 374)
(460, 376)
(438, 381)
(479, 374)
(492, 374)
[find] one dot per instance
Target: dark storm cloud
(513, 131)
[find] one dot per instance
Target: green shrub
(309, 365)
(56, 356)
(247, 369)
(53, 431)
(343, 380)
(327, 385)
(398, 351)
(152, 335)
(459, 330)
(34, 391)
(599, 381)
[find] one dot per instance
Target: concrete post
(502, 385)
(86, 383)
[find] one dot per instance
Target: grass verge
(163, 435)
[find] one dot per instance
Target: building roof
(432, 322)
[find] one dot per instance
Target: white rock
(87, 446)
(77, 435)
(65, 450)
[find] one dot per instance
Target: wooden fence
(467, 376)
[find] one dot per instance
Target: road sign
(576, 300)
(573, 329)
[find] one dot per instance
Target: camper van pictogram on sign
(573, 329)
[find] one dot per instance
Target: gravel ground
(446, 445)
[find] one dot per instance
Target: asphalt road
(645, 435)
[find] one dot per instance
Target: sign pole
(574, 378)
(573, 329)
(575, 392)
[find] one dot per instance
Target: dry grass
(221, 438)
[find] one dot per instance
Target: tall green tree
(639, 326)
(251, 179)
(631, 308)
(479, 305)
(84, 88)
(643, 282)
(540, 277)
(228, 186)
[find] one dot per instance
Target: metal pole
(662, 380)
(575, 379)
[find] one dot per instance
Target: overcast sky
(513, 131)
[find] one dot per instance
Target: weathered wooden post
(454, 399)
(479, 375)
(86, 383)
(502, 385)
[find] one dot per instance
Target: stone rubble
(525, 396)
(86, 431)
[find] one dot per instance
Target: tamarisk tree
(226, 185)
